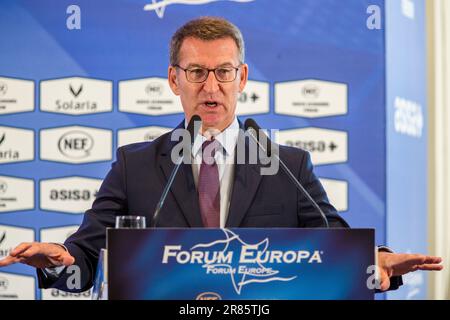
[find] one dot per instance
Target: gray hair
(206, 28)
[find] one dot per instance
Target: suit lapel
(183, 187)
(247, 178)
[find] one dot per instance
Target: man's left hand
(395, 264)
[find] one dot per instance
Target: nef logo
(310, 91)
(76, 144)
(208, 296)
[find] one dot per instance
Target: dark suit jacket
(135, 183)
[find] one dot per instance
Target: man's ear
(244, 77)
(173, 80)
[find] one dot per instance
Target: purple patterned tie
(209, 186)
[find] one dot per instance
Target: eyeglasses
(200, 74)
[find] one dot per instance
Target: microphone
(192, 134)
(251, 124)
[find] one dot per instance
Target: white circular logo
(75, 144)
(310, 91)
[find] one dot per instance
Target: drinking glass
(131, 222)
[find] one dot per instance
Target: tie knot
(209, 148)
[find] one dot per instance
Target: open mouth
(211, 104)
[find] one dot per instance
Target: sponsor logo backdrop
(76, 82)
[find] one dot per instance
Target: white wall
(438, 24)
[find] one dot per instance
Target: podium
(235, 264)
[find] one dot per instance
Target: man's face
(214, 101)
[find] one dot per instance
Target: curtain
(438, 24)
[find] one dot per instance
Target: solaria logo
(76, 144)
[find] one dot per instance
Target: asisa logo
(160, 6)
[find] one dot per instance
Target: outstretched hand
(39, 255)
(394, 264)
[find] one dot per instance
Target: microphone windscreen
(191, 126)
(251, 124)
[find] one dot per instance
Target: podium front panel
(233, 264)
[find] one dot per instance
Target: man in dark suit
(207, 71)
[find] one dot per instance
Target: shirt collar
(227, 139)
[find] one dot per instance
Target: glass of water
(131, 222)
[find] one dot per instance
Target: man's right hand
(39, 255)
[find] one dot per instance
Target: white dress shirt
(224, 158)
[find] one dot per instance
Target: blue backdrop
(324, 40)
